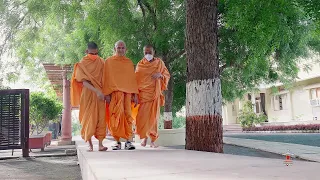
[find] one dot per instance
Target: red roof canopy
(55, 76)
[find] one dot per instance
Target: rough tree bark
(167, 114)
(204, 100)
(168, 106)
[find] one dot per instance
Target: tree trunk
(167, 114)
(204, 100)
(168, 106)
(263, 104)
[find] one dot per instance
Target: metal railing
(14, 120)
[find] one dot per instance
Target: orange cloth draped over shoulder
(119, 82)
(92, 110)
(150, 97)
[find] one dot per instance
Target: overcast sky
(21, 83)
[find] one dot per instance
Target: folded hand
(107, 98)
(157, 76)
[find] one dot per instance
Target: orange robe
(92, 110)
(150, 97)
(119, 82)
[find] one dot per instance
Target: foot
(90, 146)
(117, 146)
(102, 148)
(153, 145)
(90, 149)
(144, 142)
(129, 146)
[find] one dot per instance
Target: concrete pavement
(311, 153)
(166, 163)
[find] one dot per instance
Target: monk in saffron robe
(120, 90)
(152, 78)
(86, 92)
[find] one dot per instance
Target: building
(299, 105)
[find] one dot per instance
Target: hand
(100, 95)
(135, 100)
(108, 98)
(157, 76)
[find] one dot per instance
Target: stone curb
(271, 151)
(67, 153)
(288, 131)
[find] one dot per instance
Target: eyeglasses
(121, 47)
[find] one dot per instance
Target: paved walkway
(52, 150)
(40, 168)
(166, 163)
(51, 164)
(311, 153)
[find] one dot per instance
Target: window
(234, 110)
(280, 102)
(315, 93)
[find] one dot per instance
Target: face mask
(149, 57)
(92, 57)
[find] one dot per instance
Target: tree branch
(177, 55)
(153, 12)
(17, 5)
(142, 9)
(10, 33)
(144, 19)
(24, 2)
(232, 64)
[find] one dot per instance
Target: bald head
(148, 49)
(119, 42)
(149, 46)
(120, 48)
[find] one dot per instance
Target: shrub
(76, 128)
(177, 122)
(43, 110)
(248, 118)
(312, 127)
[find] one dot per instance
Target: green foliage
(177, 122)
(248, 118)
(43, 110)
(76, 128)
(178, 75)
(57, 32)
(3, 86)
(259, 40)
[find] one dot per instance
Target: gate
(14, 120)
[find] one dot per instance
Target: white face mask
(149, 57)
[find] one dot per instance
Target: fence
(14, 120)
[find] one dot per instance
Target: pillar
(253, 101)
(66, 131)
(240, 104)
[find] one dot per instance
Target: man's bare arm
(89, 86)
